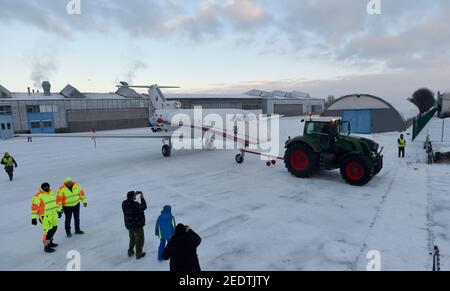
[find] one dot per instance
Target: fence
(421, 121)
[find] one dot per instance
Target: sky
(322, 47)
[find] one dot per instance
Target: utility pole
(443, 127)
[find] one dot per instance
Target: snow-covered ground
(250, 217)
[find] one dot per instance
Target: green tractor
(325, 146)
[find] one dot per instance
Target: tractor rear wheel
(300, 160)
(356, 170)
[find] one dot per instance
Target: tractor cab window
(321, 128)
(321, 132)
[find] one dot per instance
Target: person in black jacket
(182, 250)
(135, 221)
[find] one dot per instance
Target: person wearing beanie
(134, 218)
(45, 209)
(70, 194)
(164, 228)
(182, 250)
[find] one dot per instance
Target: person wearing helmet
(46, 209)
(70, 194)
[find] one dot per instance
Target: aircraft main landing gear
(240, 157)
(167, 147)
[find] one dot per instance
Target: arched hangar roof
(405, 108)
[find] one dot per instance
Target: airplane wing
(75, 135)
(231, 136)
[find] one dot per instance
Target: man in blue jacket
(164, 228)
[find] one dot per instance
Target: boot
(140, 256)
(52, 245)
(79, 231)
(68, 234)
(130, 253)
(48, 249)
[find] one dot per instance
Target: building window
(8, 126)
(250, 107)
(47, 124)
(35, 124)
(3, 126)
(5, 109)
(33, 109)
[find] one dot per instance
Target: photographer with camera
(182, 250)
(134, 218)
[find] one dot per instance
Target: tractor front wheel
(300, 160)
(356, 170)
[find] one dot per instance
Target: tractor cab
(324, 130)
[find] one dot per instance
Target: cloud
(409, 38)
(138, 18)
(246, 14)
(401, 83)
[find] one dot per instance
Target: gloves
(85, 204)
(59, 214)
(34, 221)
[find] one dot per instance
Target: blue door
(41, 122)
(6, 128)
(360, 120)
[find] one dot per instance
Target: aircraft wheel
(166, 150)
(239, 159)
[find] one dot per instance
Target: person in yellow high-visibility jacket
(45, 208)
(401, 143)
(9, 163)
(70, 194)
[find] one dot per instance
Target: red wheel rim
(299, 161)
(355, 171)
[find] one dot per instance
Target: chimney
(33, 91)
(29, 91)
(46, 86)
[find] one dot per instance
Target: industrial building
(274, 102)
(71, 111)
(370, 114)
(444, 105)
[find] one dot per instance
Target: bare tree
(423, 99)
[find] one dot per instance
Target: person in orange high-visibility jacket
(70, 194)
(45, 208)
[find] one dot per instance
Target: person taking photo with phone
(134, 218)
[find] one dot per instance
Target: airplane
(162, 125)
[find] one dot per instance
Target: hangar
(371, 114)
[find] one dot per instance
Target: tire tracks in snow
(354, 263)
(430, 219)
